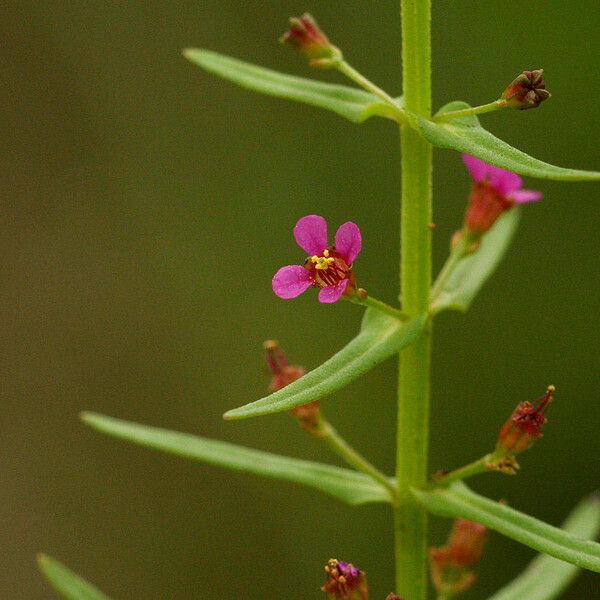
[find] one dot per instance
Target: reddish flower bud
(524, 426)
(528, 90)
(345, 581)
(305, 36)
(308, 415)
(450, 564)
(393, 597)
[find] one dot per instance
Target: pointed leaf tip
(380, 337)
(465, 134)
(66, 582)
(345, 485)
(351, 103)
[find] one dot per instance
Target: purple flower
(494, 191)
(345, 581)
(327, 267)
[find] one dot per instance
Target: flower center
(327, 269)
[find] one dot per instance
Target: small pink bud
(524, 426)
(308, 415)
(528, 90)
(393, 597)
(345, 581)
(450, 564)
(305, 36)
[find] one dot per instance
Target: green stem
(339, 445)
(350, 72)
(474, 468)
(470, 112)
(369, 301)
(415, 254)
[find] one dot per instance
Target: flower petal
(524, 196)
(477, 168)
(332, 293)
(291, 281)
(348, 241)
(504, 182)
(311, 234)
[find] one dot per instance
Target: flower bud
(528, 90)
(345, 581)
(450, 564)
(305, 36)
(393, 597)
(524, 426)
(307, 415)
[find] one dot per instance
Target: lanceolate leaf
(66, 582)
(459, 501)
(380, 337)
(466, 134)
(546, 578)
(351, 103)
(472, 272)
(344, 484)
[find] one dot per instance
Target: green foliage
(67, 583)
(350, 103)
(343, 484)
(459, 501)
(546, 578)
(466, 134)
(380, 336)
(472, 271)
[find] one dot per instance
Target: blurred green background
(146, 206)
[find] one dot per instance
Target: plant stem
(350, 72)
(474, 468)
(369, 301)
(339, 445)
(415, 256)
(470, 112)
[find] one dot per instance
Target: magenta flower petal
(504, 182)
(332, 293)
(524, 196)
(311, 234)
(476, 167)
(291, 281)
(348, 241)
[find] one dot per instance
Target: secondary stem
(352, 457)
(350, 72)
(415, 254)
(479, 466)
(471, 111)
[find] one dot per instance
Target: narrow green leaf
(472, 272)
(66, 582)
(351, 103)
(459, 501)
(466, 134)
(546, 578)
(343, 484)
(380, 337)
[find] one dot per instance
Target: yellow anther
(326, 253)
(322, 262)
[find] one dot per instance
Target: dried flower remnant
(345, 581)
(327, 267)
(524, 426)
(528, 90)
(307, 415)
(307, 38)
(494, 191)
(450, 564)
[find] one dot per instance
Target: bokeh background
(145, 207)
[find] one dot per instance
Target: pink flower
(345, 581)
(327, 267)
(494, 191)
